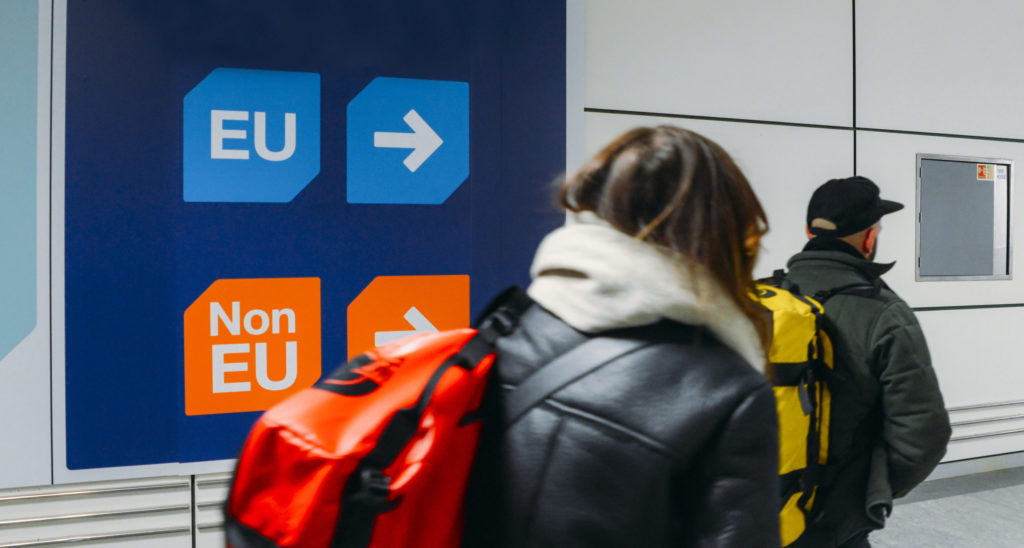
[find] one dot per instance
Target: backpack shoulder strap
(778, 277)
(780, 280)
(564, 369)
(870, 290)
(501, 316)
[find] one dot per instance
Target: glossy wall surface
(800, 92)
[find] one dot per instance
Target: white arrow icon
(422, 140)
(416, 319)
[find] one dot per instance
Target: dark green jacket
(889, 423)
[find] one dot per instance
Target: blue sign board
(408, 141)
(251, 136)
(235, 171)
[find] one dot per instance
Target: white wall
(773, 83)
(785, 61)
(925, 67)
(940, 66)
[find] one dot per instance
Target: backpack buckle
(503, 321)
(500, 323)
(374, 487)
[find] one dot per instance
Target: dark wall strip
(49, 226)
(952, 135)
(797, 124)
(853, 5)
(853, 20)
(711, 118)
(967, 307)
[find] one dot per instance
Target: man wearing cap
(889, 426)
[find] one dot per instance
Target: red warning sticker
(986, 172)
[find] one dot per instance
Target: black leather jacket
(674, 444)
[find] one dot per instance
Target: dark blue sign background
(137, 254)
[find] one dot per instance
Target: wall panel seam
(998, 434)
(192, 509)
(984, 406)
(597, 110)
(989, 420)
(94, 538)
(965, 307)
(947, 135)
(712, 118)
(91, 492)
(94, 515)
(49, 226)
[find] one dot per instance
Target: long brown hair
(676, 188)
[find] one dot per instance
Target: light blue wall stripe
(19, 51)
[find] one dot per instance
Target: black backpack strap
(501, 316)
(779, 279)
(810, 388)
(870, 290)
(366, 495)
(564, 369)
(778, 276)
(817, 474)
(499, 319)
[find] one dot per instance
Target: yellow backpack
(801, 368)
(800, 360)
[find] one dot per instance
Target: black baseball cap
(842, 207)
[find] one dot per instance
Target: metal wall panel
(136, 512)
(788, 61)
(940, 66)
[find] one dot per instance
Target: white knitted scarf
(596, 278)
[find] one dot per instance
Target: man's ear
(869, 240)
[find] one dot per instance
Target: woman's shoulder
(674, 355)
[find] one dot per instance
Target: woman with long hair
(673, 442)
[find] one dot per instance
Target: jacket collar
(838, 251)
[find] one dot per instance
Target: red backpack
(379, 453)
(376, 454)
